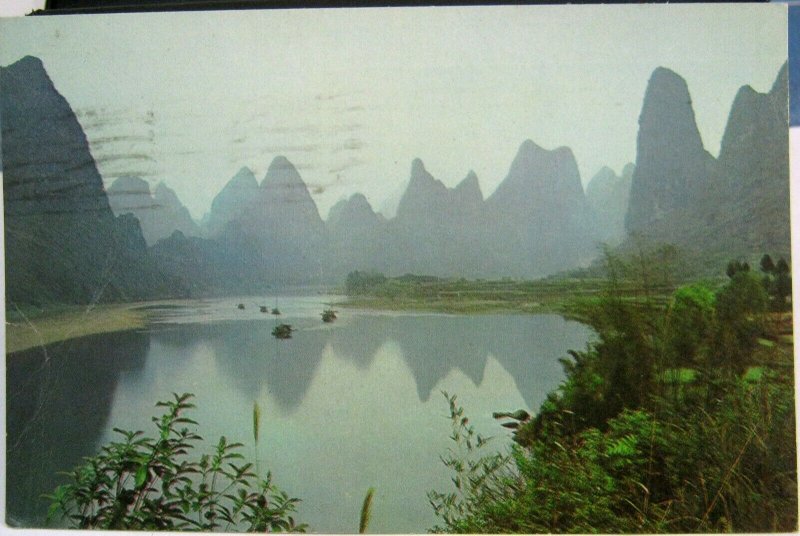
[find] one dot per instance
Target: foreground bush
(144, 483)
(676, 419)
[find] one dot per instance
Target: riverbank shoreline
(463, 307)
(28, 329)
(566, 297)
(32, 326)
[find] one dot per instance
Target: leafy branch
(144, 483)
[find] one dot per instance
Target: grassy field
(29, 328)
(480, 296)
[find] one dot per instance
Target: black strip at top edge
(75, 7)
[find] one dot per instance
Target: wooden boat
(282, 331)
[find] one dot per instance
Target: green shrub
(480, 478)
(740, 308)
(689, 322)
(727, 467)
(144, 483)
(634, 441)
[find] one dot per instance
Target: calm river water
(345, 406)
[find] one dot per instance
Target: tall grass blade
(256, 420)
(366, 512)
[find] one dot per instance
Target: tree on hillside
(362, 282)
(777, 280)
(767, 266)
(735, 267)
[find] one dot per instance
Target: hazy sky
(352, 96)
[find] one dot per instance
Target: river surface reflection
(345, 406)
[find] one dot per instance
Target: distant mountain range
(70, 240)
(538, 221)
(159, 214)
(607, 195)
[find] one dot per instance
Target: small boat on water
(282, 331)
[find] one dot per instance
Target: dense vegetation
(677, 419)
(144, 483)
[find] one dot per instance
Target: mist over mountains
(607, 195)
(63, 242)
(736, 205)
(535, 223)
(160, 213)
(70, 240)
(237, 196)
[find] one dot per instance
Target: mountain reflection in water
(345, 406)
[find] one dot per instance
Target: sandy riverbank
(27, 330)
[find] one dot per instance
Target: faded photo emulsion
(516, 269)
